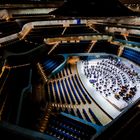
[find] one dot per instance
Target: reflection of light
(73, 60)
(119, 60)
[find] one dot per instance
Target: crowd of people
(112, 76)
